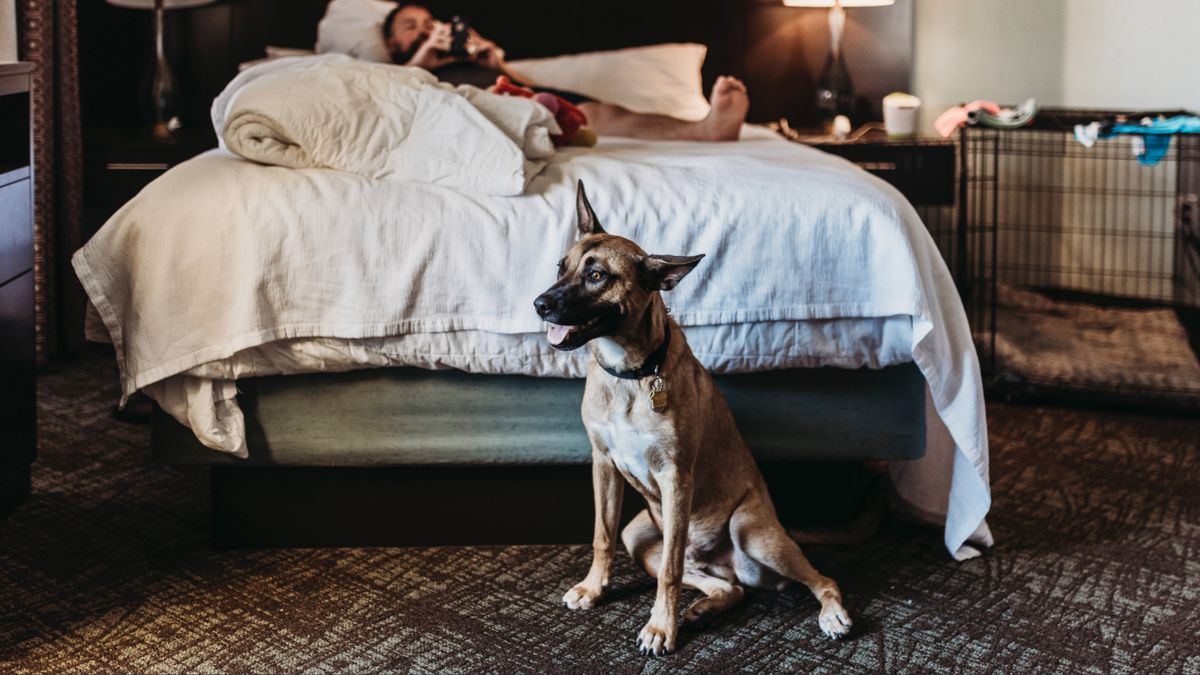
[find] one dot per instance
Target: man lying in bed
(415, 38)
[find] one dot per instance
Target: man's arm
(486, 53)
(432, 54)
(490, 55)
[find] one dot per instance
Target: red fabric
(569, 117)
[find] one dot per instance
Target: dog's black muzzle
(562, 306)
(549, 304)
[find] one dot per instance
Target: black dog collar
(652, 363)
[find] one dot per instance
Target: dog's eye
(596, 276)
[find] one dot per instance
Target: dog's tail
(857, 531)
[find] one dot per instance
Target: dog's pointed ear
(663, 272)
(585, 216)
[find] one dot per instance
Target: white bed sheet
(220, 255)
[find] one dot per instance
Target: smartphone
(460, 36)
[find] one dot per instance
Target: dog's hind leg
(757, 535)
(643, 540)
(719, 595)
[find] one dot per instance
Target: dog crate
(1080, 267)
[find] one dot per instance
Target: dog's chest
(632, 448)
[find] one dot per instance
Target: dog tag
(658, 395)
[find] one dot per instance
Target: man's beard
(403, 57)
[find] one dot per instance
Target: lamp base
(835, 91)
(166, 129)
(162, 90)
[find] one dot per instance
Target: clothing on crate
(1152, 136)
(985, 113)
(959, 115)
(1006, 118)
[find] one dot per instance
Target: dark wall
(204, 46)
(779, 51)
(788, 48)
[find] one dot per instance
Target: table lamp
(163, 91)
(835, 91)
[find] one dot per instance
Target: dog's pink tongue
(556, 333)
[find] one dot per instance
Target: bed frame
(409, 456)
(329, 466)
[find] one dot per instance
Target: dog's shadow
(625, 590)
(749, 611)
(629, 589)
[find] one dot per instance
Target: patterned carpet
(1097, 569)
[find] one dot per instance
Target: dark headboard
(777, 50)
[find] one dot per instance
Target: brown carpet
(1097, 569)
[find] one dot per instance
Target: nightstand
(118, 163)
(18, 393)
(923, 169)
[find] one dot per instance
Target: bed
(324, 338)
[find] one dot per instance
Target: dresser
(18, 408)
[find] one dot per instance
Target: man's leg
(729, 105)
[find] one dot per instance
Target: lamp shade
(830, 3)
(167, 4)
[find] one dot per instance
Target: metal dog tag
(658, 395)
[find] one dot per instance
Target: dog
(656, 419)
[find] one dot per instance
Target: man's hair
(388, 20)
(391, 17)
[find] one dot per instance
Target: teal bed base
(410, 456)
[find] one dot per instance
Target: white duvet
(224, 267)
(385, 122)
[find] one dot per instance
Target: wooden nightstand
(924, 169)
(118, 163)
(18, 393)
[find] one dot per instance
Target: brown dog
(654, 417)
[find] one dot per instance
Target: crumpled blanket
(383, 122)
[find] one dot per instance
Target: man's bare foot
(724, 121)
(729, 103)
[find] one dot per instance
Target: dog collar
(652, 363)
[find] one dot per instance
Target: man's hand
(432, 53)
(485, 52)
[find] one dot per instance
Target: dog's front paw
(835, 622)
(583, 596)
(657, 639)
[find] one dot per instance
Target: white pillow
(355, 27)
(662, 79)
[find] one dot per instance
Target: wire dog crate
(1079, 267)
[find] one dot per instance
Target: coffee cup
(900, 113)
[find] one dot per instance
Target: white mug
(900, 113)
